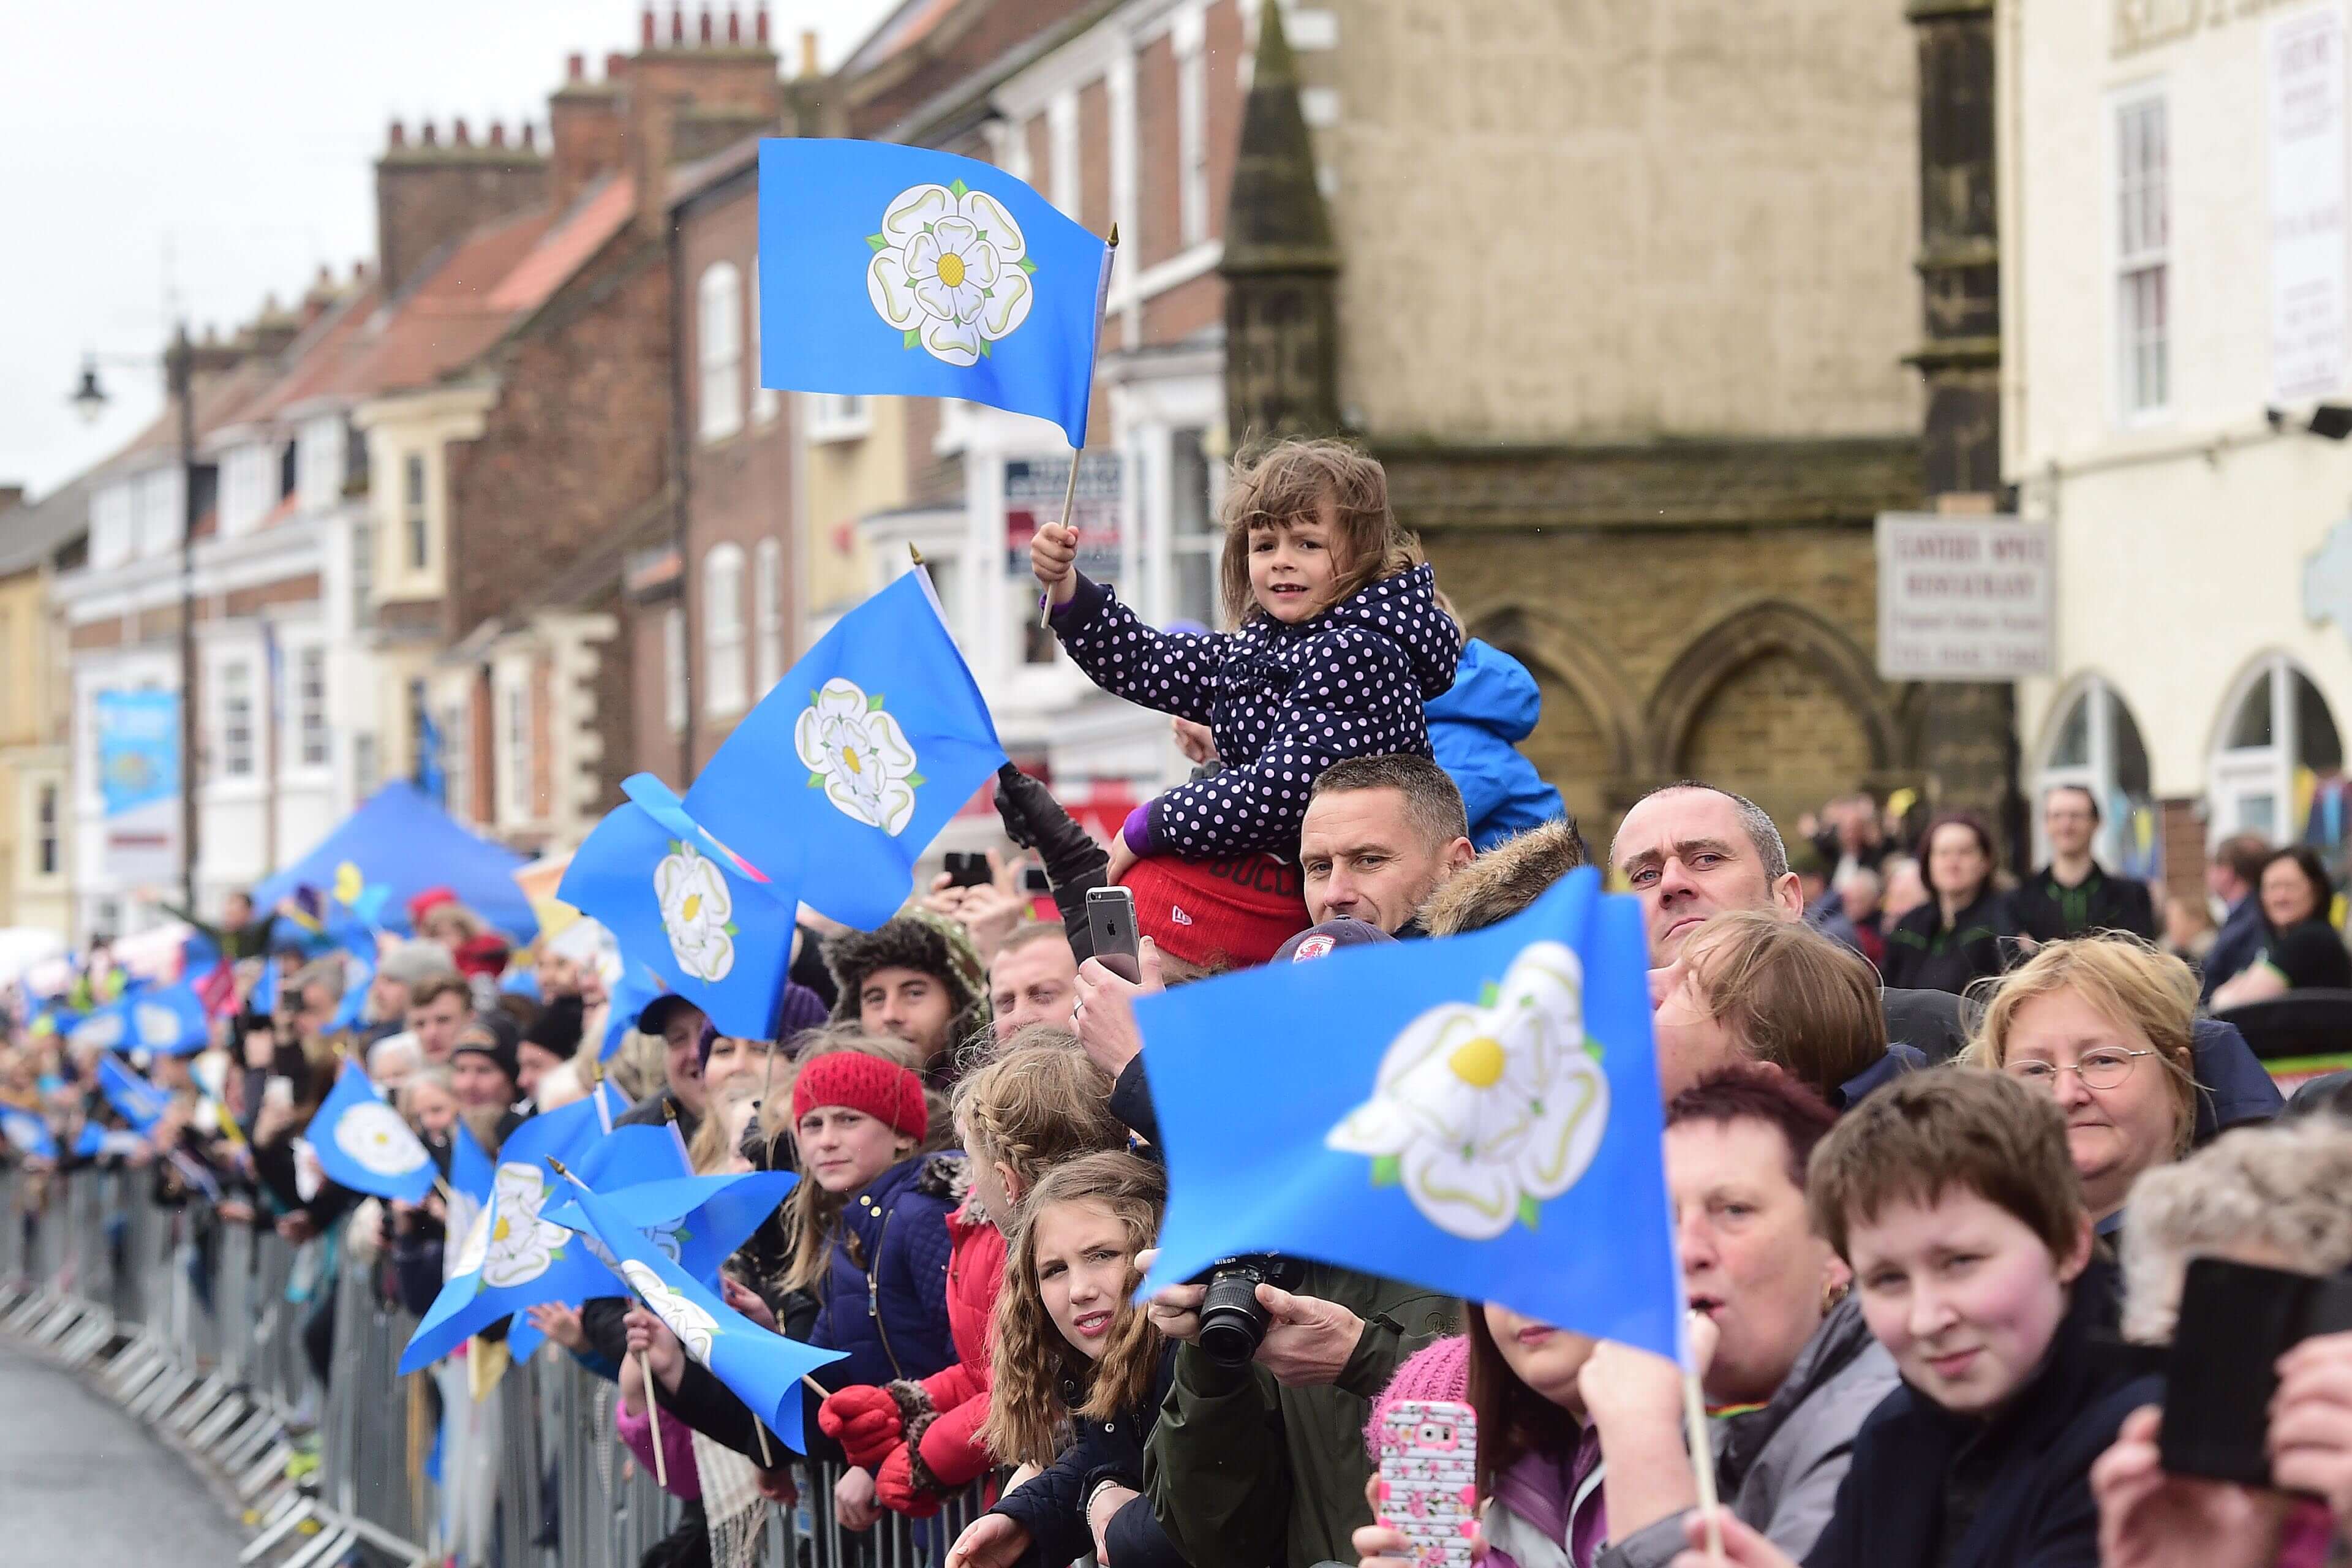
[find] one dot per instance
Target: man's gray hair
(1770, 850)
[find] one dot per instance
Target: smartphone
(277, 1091)
(1428, 1487)
(966, 869)
(1034, 883)
(2236, 1320)
(1110, 922)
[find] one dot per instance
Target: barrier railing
(197, 1327)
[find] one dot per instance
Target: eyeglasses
(2099, 1069)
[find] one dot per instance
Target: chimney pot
(760, 22)
(677, 22)
(431, 137)
(808, 51)
(497, 133)
(529, 137)
(359, 271)
(705, 24)
(399, 137)
(646, 24)
(458, 134)
(616, 64)
(575, 67)
(734, 26)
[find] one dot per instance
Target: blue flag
(1479, 1115)
(53, 1017)
(567, 1132)
(363, 1143)
(141, 1103)
(681, 906)
(697, 1221)
(638, 984)
(27, 1133)
(886, 269)
(169, 1022)
(886, 729)
(763, 1369)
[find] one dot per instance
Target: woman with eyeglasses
(2106, 1026)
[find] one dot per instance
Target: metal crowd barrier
(195, 1327)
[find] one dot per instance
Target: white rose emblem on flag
(696, 910)
(521, 1244)
(1486, 1111)
(694, 1327)
(857, 754)
(373, 1135)
(951, 271)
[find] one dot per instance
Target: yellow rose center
(1479, 1063)
(693, 905)
(951, 271)
(849, 760)
(499, 1230)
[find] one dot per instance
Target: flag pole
(1070, 496)
(1703, 1464)
(644, 1361)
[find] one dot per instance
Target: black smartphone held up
(1034, 883)
(2236, 1320)
(966, 869)
(1110, 922)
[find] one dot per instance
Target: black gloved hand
(1075, 863)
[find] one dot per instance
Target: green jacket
(1244, 1473)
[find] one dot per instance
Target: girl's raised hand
(992, 1541)
(651, 1336)
(1052, 560)
(749, 1302)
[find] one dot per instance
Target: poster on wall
(1033, 488)
(1964, 598)
(2305, 60)
(139, 784)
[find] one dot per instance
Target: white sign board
(2305, 60)
(1963, 598)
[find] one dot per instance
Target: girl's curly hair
(1032, 1359)
(1288, 483)
(1036, 1105)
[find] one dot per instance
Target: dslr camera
(1232, 1323)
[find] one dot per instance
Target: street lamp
(89, 400)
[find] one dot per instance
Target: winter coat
(884, 1295)
(945, 1412)
(1284, 702)
(636, 1435)
(1923, 952)
(1779, 1468)
(1548, 1510)
(1930, 1488)
(1052, 1507)
(1243, 1470)
(2049, 910)
(2237, 944)
(1475, 730)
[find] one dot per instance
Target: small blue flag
(638, 984)
(94, 1142)
(568, 1133)
(761, 1369)
(363, 1143)
(169, 1022)
(888, 268)
(698, 1222)
(27, 1133)
(141, 1103)
(680, 905)
(1479, 1115)
(892, 738)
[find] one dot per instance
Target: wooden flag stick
(1070, 496)
(1703, 1464)
(644, 1361)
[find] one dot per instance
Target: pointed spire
(1275, 220)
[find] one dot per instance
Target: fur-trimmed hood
(1505, 879)
(918, 939)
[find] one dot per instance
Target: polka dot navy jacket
(1285, 702)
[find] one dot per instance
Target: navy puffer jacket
(884, 1298)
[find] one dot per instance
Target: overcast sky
(152, 149)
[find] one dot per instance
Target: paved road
(83, 1485)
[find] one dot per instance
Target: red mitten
(899, 1489)
(951, 1447)
(866, 1421)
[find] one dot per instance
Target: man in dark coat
(2073, 894)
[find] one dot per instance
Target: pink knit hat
(1440, 1371)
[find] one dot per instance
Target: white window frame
(2106, 712)
(320, 452)
(1062, 137)
(2140, 230)
(313, 744)
(415, 513)
(513, 718)
(113, 532)
(718, 351)
(674, 693)
(234, 682)
(723, 650)
(245, 488)
(158, 510)
(838, 416)
(2239, 776)
(1191, 128)
(765, 400)
(768, 615)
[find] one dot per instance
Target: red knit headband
(883, 1090)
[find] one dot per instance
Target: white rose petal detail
(471, 1220)
(373, 1135)
(696, 909)
(104, 1032)
(158, 1026)
(1487, 1110)
(694, 1327)
(521, 1245)
(856, 750)
(950, 267)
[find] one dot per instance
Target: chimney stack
(646, 25)
(616, 64)
(529, 137)
(575, 67)
(399, 137)
(429, 193)
(759, 23)
(431, 137)
(498, 133)
(458, 135)
(808, 51)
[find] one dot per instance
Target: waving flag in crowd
(169, 1021)
(27, 1134)
(140, 1102)
(763, 1369)
(695, 1221)
(1483, 1119)
(890, 728)
(363, 1143)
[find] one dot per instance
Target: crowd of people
(1942, 1148)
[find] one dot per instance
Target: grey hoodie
(1780, 1467)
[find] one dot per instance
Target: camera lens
(1233, 1324)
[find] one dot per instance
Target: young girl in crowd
(1340, 643)
(1951, 1196)
(1073, 1353)
(1031, 1109)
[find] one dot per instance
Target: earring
(1834, 1291)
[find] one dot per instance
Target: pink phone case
(1428, 1485)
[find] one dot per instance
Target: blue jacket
(1475, 730)
(2237, 944)
(884, 1298)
